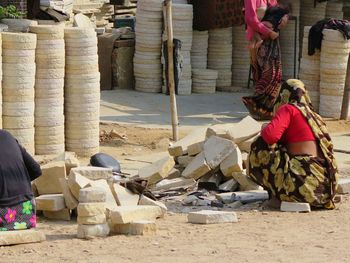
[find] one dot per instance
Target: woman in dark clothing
(17, 170)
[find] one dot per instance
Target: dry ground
(260, 236)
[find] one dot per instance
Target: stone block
(110, 201)
(226, 198)
(250, 196)
(195, 148)
(168, 184)
(69, 199)
(232, 163)
(142, 227)
(77, 182)
(158, 170)
(8, 238)
(128, 214)
(48, 182)
(220, 130)
(92, 195)
(174, 173)
(34, 189)
(63, 214)
(181, 147)
(184, 160)
(93, 173)
(54, 202)
(89, 231)
(245, 129)
(91, 220)
(245, 183)
(343, 186)
(216, 150)
(144, 200)
(212, 217)
(295, 207)
(197, 168)
(124, 196)
(71, 161)
(229, 186)
(91, 209)
(245, 145)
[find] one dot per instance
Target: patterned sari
(300, 178)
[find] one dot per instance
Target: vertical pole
(171, 80)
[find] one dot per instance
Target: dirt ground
(259, 236)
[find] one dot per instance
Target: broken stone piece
(245, 145)
(245, 183)
(250, 196)
(229, 186)
(195, 148)
(144, 200)
(181, 147)
(110, 201)
(343, 186)
(168, 184)
(48, 182)
(93, 173)
(21, 237)
(197, 168)
(63, 214)
(128, 214)
(77, 182)
(91, 209)
(142, 227)
(226, 198)
(232, 163)
(91, 220)
(157, 171)
(212, 217)
(216, 150)
(88, 231)
(295, 207)
(92, 195)
(174, 173)
(124, 196)
(71, 161)
(53, 202)
(184, 160)
(69, 199)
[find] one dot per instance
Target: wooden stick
(345, 104)
(171, 80)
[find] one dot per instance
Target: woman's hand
(264, 126)
(273, 35)
(284, 21)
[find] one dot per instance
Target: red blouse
(288, 126)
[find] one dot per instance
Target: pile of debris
(208, 159)
(102, 205)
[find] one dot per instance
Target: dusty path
(321, 236)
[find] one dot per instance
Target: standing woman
(262, 32)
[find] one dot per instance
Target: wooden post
(345, 104)
(171, 80)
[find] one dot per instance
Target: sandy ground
(259, 236)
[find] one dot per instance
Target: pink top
(252, 20)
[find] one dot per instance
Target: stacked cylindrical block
(240, 58)
(220, 56)
(18, 86)
(334, 61)
(199, 51)
(310, 70)
(289, 35)
(335, 9)
(204, 80)
(147, 62)
(49, 85)
(81, 91)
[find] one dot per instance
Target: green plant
(10, 11)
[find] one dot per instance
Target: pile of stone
(334, 62)
(204, 80)
(310, 14)
(63, 6)
(334, 9)
(199, 51)
(220, 56)
(49, 85)
(18, 54)
(240, 58)
(210, 157)
(82, 91)
(182, 30)
(287, 38)
(310, 70)
(147, 62)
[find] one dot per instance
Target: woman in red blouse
(262, 33)
(293, 158)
